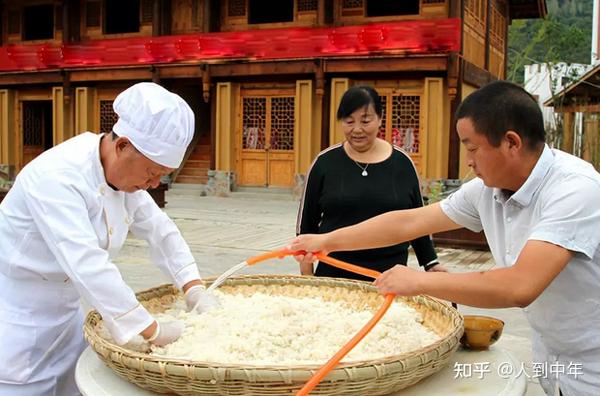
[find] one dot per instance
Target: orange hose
(331, 363)
(269, 255)
(347, 266)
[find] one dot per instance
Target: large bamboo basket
(372, 377)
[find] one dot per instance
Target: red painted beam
(405, 37)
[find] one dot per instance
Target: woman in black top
(358, 179)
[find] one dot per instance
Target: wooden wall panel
(85, 114)
(338, 87)
(227, 97)
(8, 130)
(303, 135)
(436, 135)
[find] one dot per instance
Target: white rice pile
(276, 330)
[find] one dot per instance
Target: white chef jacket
(559, 203)
(60, 226)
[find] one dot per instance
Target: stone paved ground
(225, 231)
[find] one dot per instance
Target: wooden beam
(475, 76)
(189, 71)
(36, 77)
(438, 63)
(137, 73)
(579, 108)
(262, 68)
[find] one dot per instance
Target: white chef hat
(159, 123)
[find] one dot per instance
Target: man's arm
(518, 286)
(384, 230)
(168, 250)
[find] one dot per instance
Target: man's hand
(166, 332)
(197, 296)
(306, 262)
(310, 243)
(400, 280)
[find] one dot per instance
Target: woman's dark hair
(502, 106)
(358, 97)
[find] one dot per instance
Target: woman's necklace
(364, 168)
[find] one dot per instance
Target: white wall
(543, 82)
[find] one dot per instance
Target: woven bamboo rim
(367, 377)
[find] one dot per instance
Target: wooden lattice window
(92, 14)
(476, 14)
(282, 123)
(147, 11)
(33, 119)
(433, 1)
(405, 116)
(383, 128)
(236, 8)
(14, 22)
(497, 27)
(254, 123)
(406, 113)
(307, 5)
(352, 4)
(108, 117)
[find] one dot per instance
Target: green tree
(564, 36)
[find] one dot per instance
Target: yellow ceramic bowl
(481, 331)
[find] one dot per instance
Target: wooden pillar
(303, 126)
(488, 25)
(8, 131)
(227, 106)
(321, 13)
(568, 131)
(338, 87)
(58, 116)
(591, 139)
(85, 98)
(455, 87)
(435, 164)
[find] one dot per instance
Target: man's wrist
(195, 282)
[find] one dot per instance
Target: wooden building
(582, 96)
(263, 77)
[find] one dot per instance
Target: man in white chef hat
(62, 224)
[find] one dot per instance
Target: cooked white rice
(276, 330)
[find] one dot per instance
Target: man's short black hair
(358, 97)
(502, 106)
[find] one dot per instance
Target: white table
(94, 378)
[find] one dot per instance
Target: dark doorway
(121, 16)
(386, 7)
(263, 11)
(38, 22)
(36, 128)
